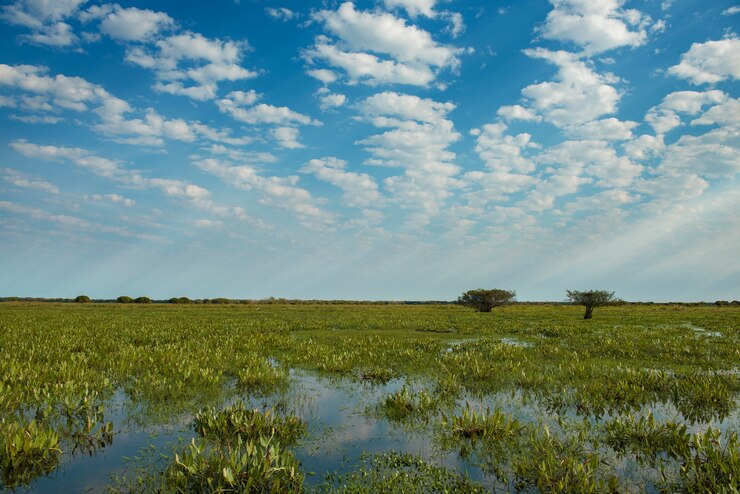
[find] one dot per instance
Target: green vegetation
(534, 396)
(399, 473)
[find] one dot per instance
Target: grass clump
(250, 467)
(709, 466)
(645, 438)
(238, 422)
(26, 452)
(486, 426)
(404, 403)
(394, 472)
(560, 466)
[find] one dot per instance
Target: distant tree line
(124, 299)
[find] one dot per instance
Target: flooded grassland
(368, 398)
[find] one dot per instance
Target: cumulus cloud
(324, 75)
(359, 189)
(578, 95)
(595, 25)
(280, 192)
(414, 8)
(518, 112)
(332, 100)
(418, 139)
(287, 137)
(710, 62)
(193, 194)
(189, 64)
(62, 93)
(608, 129)
(281, 13)
(20, 179)
(45, 20)
(667, 115)
(238, 105)
(113, 198)
(377, 47)
(128, 24)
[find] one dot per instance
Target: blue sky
(389, 149)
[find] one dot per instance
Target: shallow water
(343, 423)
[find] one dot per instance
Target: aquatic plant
(26, 451)
(403, 403)
(398, 473)
(238, 422)
(484, 425)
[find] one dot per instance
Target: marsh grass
(168, 361)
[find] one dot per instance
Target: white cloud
(61, 93)
(114, 198)
(595, 25)
(518, 112)
(725, 113)
(414, 8)
(666, 116)
(578, 95)
(710, 62)
(20, 179)
(644, 146)
(193, 194)
(417, 141)
(457, 23)
(608, 129)
(411, 55)
(332, 100)
(44, 18)
(287, 137)
(360, 189)
(324, 75)
(715, 154)
(238, 106)
(281, 13)
(128, 24)
(204, 223)
(731, 10)
(192, 58)
(280, 192)
(503, 153)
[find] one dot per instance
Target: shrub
(124, 299)
(82, 299)
(485, 300)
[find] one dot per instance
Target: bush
(143, 300)
(82, 299)
(124, 299)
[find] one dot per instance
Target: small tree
(485, 300)
(590, 299)
(143, 300)
(124, 299)
(82, 299)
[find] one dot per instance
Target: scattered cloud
(19, 179)
(128, 24)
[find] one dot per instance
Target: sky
(373, 150)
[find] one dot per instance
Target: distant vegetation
(484, 300)
(591, 299)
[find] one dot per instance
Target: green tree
(143, 300)
(485, 300)
(590, 299)
(82, 299)
(124, 299)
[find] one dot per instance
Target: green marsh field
(368, 398)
